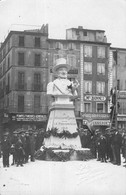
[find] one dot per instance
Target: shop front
(96, 121)
(12, 122)
(121, 119)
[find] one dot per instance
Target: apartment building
(23, 79)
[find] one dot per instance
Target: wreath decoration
(64, 134)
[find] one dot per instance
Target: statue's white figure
(62, 86)
(62, 114)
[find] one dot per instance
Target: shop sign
(96, 115)
(28, 117)
(122, 94)
(94, 98)
(100, 122)
(121, 118)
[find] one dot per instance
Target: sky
(108, 15)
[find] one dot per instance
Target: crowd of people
(107, 146)
(21, 145)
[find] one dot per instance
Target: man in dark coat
(13, 142)
(40, 139)
(85, 139)
(102, 146)
(117, 143)
(32, 145)
(19, 152)
(27, 146)
(6, 150)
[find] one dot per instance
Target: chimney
(80, 27)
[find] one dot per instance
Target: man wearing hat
(61, 85)
(6, 150)
(117, 144)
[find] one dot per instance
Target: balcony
(37, 87)
(20, 86)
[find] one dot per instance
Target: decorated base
(62, 126)
(57, 154)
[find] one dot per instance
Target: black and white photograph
(62, 97)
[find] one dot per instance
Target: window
(8, 44)
(87, 107)
(87, 68)
(64, 45)
(37, 42)
(87, 51)
(124, 108)
(118, 84)
(101, 52)
(4, 84)
(88, 86)
(20, 103)
(77, 46)
(0, 72)
(4, 66)
(21, 77)
(37, 81)
(37, 78)
(85, 33)
(51, 45)
(37, 59)
(58, 45)
(37, 103)
(8, 62)
(4, 51)
(71, 46)
(77, 32)
(20, 58)
(100, 107)
(21, 41)
(8, 83)
(100, 88)
(71, 60)
(101, 68)
(8, 80)
(0, 56)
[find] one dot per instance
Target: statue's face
(62, 72)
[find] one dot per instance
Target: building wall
(9, 102)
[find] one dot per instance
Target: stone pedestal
(63, 118)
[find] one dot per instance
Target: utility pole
(115, 55)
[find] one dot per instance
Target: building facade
(119, 84)
(23, 79)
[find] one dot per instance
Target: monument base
(57, 154)
(62, 127)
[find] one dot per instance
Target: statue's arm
(50, 87)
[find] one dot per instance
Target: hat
(5, 134)
(113, 130)
(97, 130)
(61, 62)
(15, 132)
